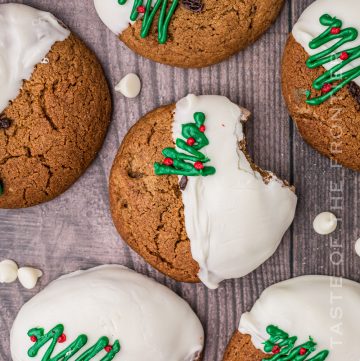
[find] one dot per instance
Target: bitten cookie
(185, 195)
(309, 318)
(321, 79)
(55, 107)
(108, 313)
(188, 33)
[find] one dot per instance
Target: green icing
(164, 18)
(53, 335)
(335, 74)
(286, 349)
(182, 165)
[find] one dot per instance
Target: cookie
(305, 318)
(321, 79)
(203, 211)
(107, 312)
(188, 33)
(55, 107)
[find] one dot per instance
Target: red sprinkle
(198, 165)
(33, 338)
(168, 161)
(344, 55)
(202, 128)
(335, 31)
(303, 351)
(141, 9)
(108, 348)
(190, 141)
(326, 88)
(276, 349)
(62, 338)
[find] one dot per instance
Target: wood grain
(75, 230)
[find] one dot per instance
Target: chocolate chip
(5, 123)
(355, 91)
(183, 182)
(1, 187)
(195, 6)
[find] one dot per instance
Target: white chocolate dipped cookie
(211, 213)
(108, 313)
(301, 319)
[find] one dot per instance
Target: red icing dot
(303, 351)
(276, 349)
(344, 55)
(33, 338)
(168, 161)
(62, 338)
(326, 88)
(141, 9)
(190, 141)
(108, 348)
(202, 128)
(198, 165)
(335, 31)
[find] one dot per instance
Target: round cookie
(193, 33)
(55, 107)
(305, 318)
(321, 79)
(202, 211)
(107, 312)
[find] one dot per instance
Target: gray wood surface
(75, 230)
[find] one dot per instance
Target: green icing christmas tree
(149, 12)
(57, 336)
(335, 78)
(191, 163)
(282, 347)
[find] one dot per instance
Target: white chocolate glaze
(115, 16)
(26, 36)
(234, 220)
(325, 308)
(150, 321)
(308, 26)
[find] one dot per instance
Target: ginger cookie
(185, 195)
(55, 107)
(321, 79)
(188, 33)
(302, 319)
(109, 313)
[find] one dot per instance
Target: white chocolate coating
(8, 271)
(233, 219)
(26, 36)
(150, 321)
(325, 223)
(325, 308)
(308, 26)
(115, 16)
(28, 276)
(129, 86)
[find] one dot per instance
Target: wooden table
(75, 231)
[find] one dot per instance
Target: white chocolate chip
(28, 276)
(8, 271)
(129, 86)
(357, 247)
(325, 223)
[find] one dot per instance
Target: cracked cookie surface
(57, 125)
(147, 210)
(198, 39)
(332, 128)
